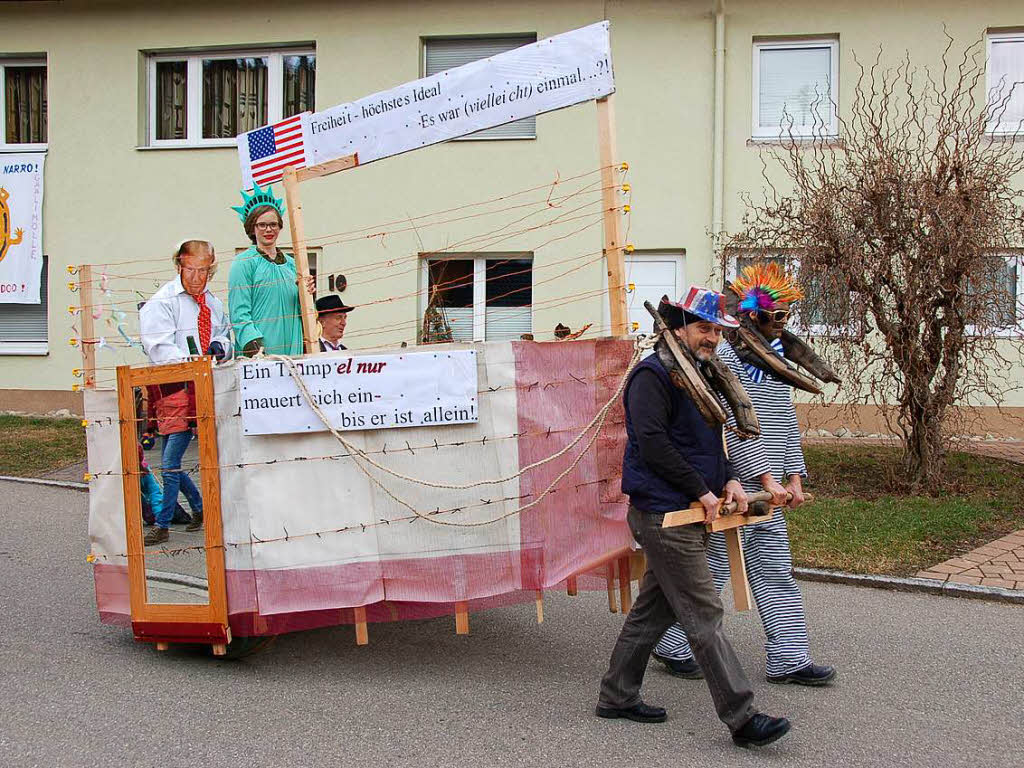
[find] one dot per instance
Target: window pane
(299, 84)
(234, 96)
(794, 84)
(509, 297)
(171, 99)
(1006, 68)
(826, 301)
(449, 52)
(452, 282)
(449, 315)
(994, 292)
(25, 108)
(509, 282)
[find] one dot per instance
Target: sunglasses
(773, 316)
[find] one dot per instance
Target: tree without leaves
(910, 213)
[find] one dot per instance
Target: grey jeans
(677, 587)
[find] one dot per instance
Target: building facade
(136, 106)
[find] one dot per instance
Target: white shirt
(332, 346)
(171, 315)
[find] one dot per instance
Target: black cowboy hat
(331, 303)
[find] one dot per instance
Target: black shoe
(812, 674)
(687, 669)
(761, 730)
(195, 523)
(641, 713)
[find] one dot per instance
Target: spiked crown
(258, 197)
(763, 285)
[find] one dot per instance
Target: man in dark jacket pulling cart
(674, 457)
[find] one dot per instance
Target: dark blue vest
(698, 443)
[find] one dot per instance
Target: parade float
(387, 483)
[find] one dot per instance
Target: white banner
(364, 392)
(547, 75)
(21, 227)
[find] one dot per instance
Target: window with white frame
(827, 307)
(796, 89)
(441, 53)
(482, 297)
(998, 291)
(23, 327)
(206, 99)
(23, 94)
(1005, 79)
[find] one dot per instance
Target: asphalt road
(923, 681)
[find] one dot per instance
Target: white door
(649, 276)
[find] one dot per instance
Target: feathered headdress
(763, 285)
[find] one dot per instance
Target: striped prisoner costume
(765, 545)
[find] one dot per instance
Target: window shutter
(507, 323)
(449, 52)
(460, 320)
(795, 84)
(26, 322)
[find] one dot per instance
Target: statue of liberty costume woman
(263, 292)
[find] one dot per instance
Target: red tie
(203, 323)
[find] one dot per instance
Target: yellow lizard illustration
(6, 239)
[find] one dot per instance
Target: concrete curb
(55, 483)
(898, 584)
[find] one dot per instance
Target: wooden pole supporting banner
(88, 340)
(737, 570)
(461, 618)
(610, 577)
(625, 588)
(294, 202)
(362, 636)
(613, 245)
(325, 169)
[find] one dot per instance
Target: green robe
(263, 302)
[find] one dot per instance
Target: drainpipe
(718, 133)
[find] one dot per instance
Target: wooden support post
(540, 606)
(219, 649)
(461, 618)
(362, 636)
(737, 570)
(88, 340)
(571, 587)
(308, 310)
(610, 578)
(625, 586)
(613, 245)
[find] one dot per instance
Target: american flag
(275, 147)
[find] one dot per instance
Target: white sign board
(21, 228)
(363, 392)
(547, 75)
